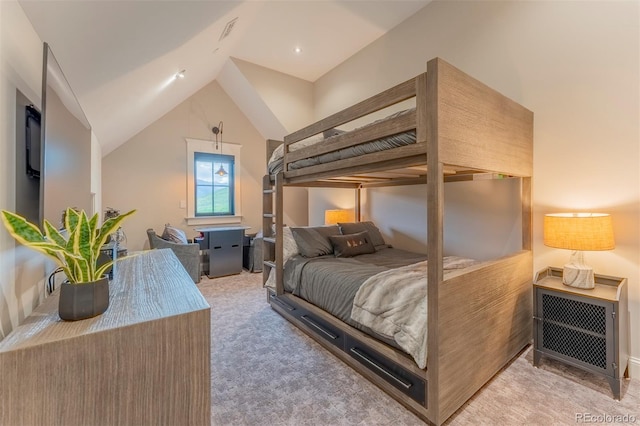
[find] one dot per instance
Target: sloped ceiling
(120, 57)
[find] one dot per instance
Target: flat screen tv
(65, 173)
(32, 141)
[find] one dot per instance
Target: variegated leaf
(108, 227)
(54, 235)
(20, 229)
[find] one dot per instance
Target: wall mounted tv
(32, 142)
(65, 174)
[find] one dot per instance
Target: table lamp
(331, 217)
(578, 232)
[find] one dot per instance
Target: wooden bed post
(527, 225)
(279, 233)
(428, 99)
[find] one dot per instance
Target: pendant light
(218, 130)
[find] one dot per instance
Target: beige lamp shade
(331, 217)
(579, 231)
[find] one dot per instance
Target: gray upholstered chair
(252, 253)
(187, 254)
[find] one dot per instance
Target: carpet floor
(264, 371)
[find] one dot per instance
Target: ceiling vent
(228, 28)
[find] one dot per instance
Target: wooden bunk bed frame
(479, 319)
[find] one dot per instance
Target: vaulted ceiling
(120, 57)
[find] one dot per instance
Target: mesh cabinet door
(576, 329)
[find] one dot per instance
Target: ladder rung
(269, 263)
(269, 215)
(269, 240)
(268, 191)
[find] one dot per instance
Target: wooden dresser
(146, 360)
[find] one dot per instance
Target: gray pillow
(174, 235)
(370, 227)
(352, 244)
(313, 241)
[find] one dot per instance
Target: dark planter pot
(82, 301)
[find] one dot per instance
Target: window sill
(213, 220)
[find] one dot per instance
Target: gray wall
(67, 168)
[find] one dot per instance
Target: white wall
(289, 98)
(21, 270)
(472, 227)
(149, 172)
(575, 65)
(290, 101)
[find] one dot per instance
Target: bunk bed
(478, 317)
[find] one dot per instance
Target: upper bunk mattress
(276, 161)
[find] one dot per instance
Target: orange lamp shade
(579, 231)
(331, 217)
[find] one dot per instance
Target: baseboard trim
(634, 367)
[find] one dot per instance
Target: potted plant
(75, 249)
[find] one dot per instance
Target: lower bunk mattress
(382, 294)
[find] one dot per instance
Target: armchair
(187, 254)
(252, 252)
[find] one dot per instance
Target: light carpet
(264, 371)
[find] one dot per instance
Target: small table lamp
(331, 217)
(578, 232)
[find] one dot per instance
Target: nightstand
(584, 328)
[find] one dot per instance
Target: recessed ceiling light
(297, 50)
(180, 74)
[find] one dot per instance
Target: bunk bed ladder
(272, 228)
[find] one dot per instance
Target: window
(216, 208)
(214, 184)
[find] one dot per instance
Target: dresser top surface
(147, 286)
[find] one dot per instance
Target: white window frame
(226, 148)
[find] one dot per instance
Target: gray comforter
(331, 283)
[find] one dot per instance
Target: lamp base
(579, 276)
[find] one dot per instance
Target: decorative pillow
(289, 249)
(313, 241)
(174, 234)
(370, 227)
(289, 246)
(352, 244)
